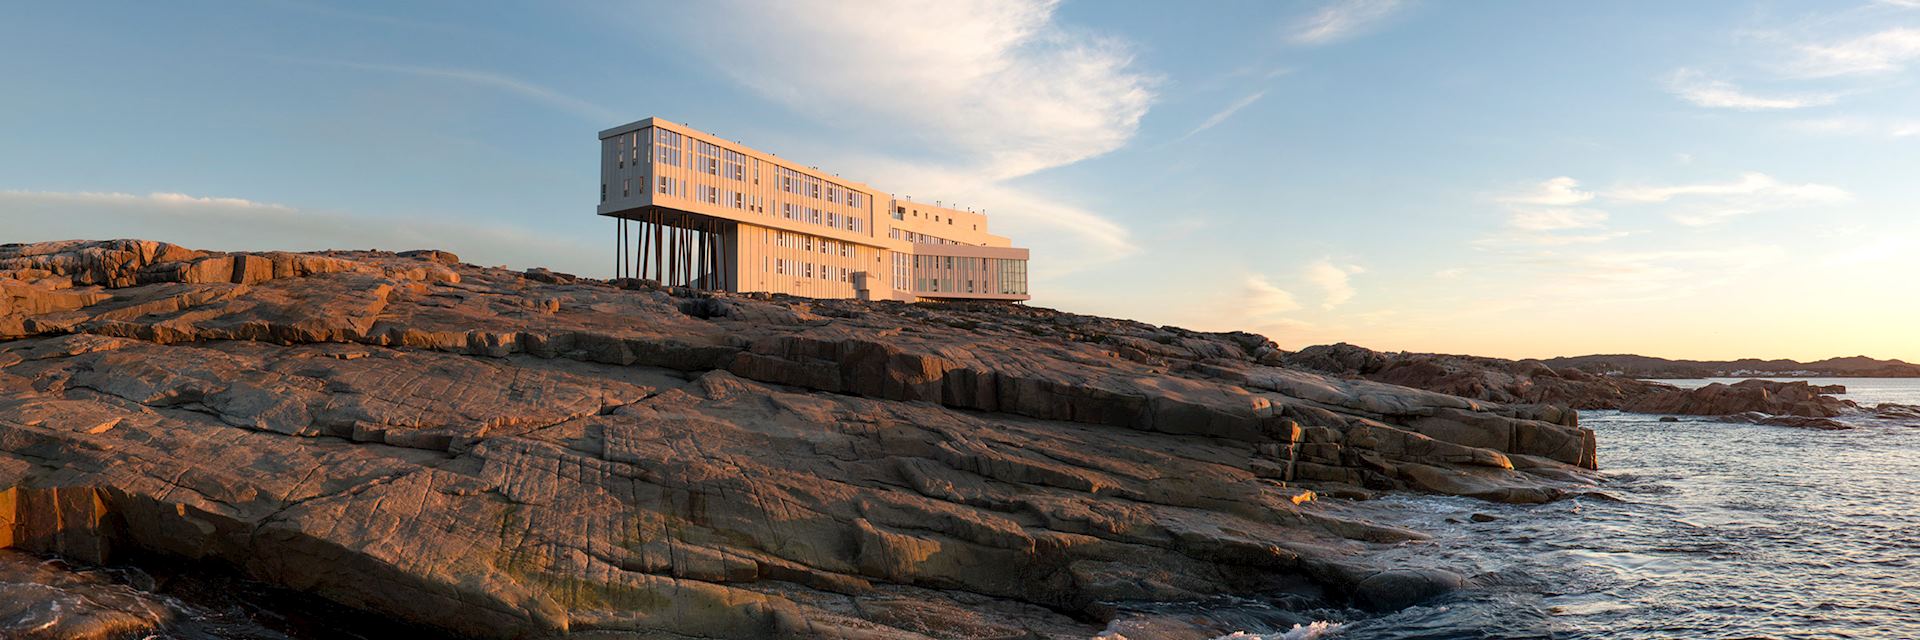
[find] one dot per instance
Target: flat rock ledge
(507, 454)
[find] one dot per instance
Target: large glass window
(1013, 276)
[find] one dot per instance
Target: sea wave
(1321, 629)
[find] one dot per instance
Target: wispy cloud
(1749, 184)
(489, 80)
(1695, 87)
(1546, 215)
(1704, 204)
(1227, 112)
(1266, 301)
(226, 223)
(997, 80)
(1886, 51)
(1556, 219)
(1340, 20)
(1555, 192)
(996, 89)
(1334, 280)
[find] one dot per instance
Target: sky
(1518, 179)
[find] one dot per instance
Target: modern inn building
(695, 210)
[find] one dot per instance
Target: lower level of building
(681, 248)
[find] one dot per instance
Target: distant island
(1662, 368)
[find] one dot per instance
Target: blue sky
(1518, 179)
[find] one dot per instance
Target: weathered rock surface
(505, 454)
(1799, 399)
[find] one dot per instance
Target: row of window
(720, 161)
(833, 219)
(805, 269)
(918, 238)
(806, 242)
(715, 160)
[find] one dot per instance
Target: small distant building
(695, 210)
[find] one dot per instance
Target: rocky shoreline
(1788, 404)
(507, 454)
(1644, 367)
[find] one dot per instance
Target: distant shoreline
(1856, 376)
(1651, 368)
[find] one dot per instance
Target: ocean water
(1715, 531)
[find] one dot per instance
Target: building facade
(695, 210)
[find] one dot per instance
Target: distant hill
(1650, 367)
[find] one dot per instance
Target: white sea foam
(1321, 629)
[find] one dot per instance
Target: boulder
(1402, 588)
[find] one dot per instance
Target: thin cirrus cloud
(489, 80)
(1340, 20)
(1225, 113)
(1751, 184)
(232, 224)
(1545, 214)
(1706, 204)
(1695, 87)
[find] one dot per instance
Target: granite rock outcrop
(507, 454)
(1772, 398)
